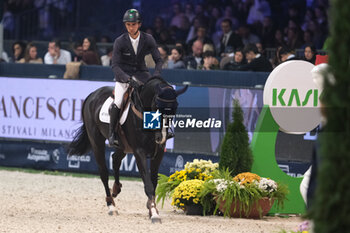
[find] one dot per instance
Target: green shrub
(331, 208)
(236, 155)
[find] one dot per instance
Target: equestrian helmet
(132, 15)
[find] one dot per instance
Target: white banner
(43, 109)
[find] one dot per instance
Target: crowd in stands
(227, 35)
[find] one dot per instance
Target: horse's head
(163, 97)
(166, 101)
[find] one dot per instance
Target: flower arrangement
(200, 183)
(198, 169)
(243, 191)
(187, 193)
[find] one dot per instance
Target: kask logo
(294, 97)
(151, 120)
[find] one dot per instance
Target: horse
(156, 94)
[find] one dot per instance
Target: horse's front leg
(144, 170)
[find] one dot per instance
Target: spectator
(319, 37)
(276, 60)
(310, 54)
(158, 26)
(18, 49)
(77, 51)
(209, 61)
(163, 50)
(56, 55)
(256, 62)
(178, 16)
(287, 54)
(267, 32)
(228, 15)
(195, 60)
(308, 38)
(106, 59)
(199, 11)
(293, 38)
(201, 35)
(31, 55)
(278, 39)
(258, 10)
(261, 49)
(230, 40)
(196, 23)
(247, 36)
(175, 59)
(235, 62)
(90, 55)
(165, 38)
(214, 17)
(208, 47)
(189, 12)
(104, 40)
(309, 15)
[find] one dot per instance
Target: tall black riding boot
(114, 113)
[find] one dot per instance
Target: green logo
(277, 96)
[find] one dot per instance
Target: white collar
(135, 40)
(258, 55)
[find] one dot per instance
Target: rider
(128, 64)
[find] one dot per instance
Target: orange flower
(246, 178)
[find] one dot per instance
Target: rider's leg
(114, 112)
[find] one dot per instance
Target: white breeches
(119, 90)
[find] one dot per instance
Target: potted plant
(186, 197)
(245, 195)
(169, 187)
(198, 169)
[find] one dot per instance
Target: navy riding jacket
(125, 63)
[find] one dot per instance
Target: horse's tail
(80, 144)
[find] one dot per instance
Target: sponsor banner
(42, 109)
(53, 156)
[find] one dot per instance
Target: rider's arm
(156, 57)
(119, 74)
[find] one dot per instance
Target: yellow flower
(186, 193)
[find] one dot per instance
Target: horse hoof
(112, 210)
(156, 219)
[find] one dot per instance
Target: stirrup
(115, 142)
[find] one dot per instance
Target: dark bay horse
(154, 94)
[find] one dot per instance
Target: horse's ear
(181, 91)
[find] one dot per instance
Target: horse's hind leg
(98, 147)
(117, 159)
